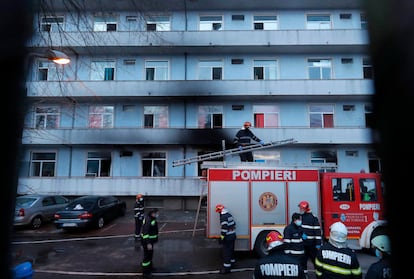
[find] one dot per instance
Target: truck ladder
(232, 151)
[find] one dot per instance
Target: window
(155, 116)
(343, 189)
(47, 117)
(326, 160)
(52, 23)
(156, 70)
(210, 117)
(320, 68)
(318, 21)
(153, 164)
(321, 116)
(367, 68)
(42, 164)
(265, 22)
(210, 70)
(49, 71)
(209, 23)
(374, 162)
(364, 21)
(266, 116)
(99, 163)
(104, 24)
(265, 69)
(369, 116)
(269, 157)
(368, 189)
(101, 117)
(158, 23)
(103, 70)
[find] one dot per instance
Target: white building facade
(152, 82)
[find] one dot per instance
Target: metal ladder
(223, 153)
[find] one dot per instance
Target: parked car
(89, 212)
(34, 210)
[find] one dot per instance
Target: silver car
(33, 210)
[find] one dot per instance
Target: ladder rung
(223, 153)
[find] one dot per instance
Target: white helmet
(382, 242)
(339, 232)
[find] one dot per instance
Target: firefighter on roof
(227, 238)
(243, 138)
(138, 215)
(277, 264)
(334, 259)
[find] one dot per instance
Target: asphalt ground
(183, 250)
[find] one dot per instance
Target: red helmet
(247, 124)
(273, 239)
(139, 196)
(219, 208)
(304, 205)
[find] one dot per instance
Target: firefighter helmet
(382, 242)
(273, 239)
(139, 197)
(247, 124)
(339, 232)
(304, 206)
(219, 208)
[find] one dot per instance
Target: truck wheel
(260, 246)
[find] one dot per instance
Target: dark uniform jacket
(139, 209)
(379, 270)
(149, 229)
(292, 237)
(312, 228)
(337, 263)
(244, 137)
(278, 264)
(227, 223)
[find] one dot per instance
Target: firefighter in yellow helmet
(244, 138)
(227, 237)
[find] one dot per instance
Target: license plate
(69, 225)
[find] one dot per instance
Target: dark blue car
(89, 212)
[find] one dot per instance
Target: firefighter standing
(227, 238)
(293, 238)
(277, 264)
(382, 268)
(334, 259)
(312, 228)
(149, 238)
(243, 138)
(138, 215)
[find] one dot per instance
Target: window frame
(105, 23)
(325, 115)
(266, 116)
(155, 69)
(46, 112)
(48, 70)
(158, 114)
(211, 23)
(39, 166)
(268, 71)
(99, 114)
(209, 69)
(318, 24)
(153, 160)
(160, 24)
(54, 23)
(324, 70)
(104, 163)
(103, 69)
(265, 22)
(210, 116)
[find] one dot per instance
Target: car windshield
(81, 205)
(25, 202)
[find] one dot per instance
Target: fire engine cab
(264, 198)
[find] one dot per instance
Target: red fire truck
(264, 198)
